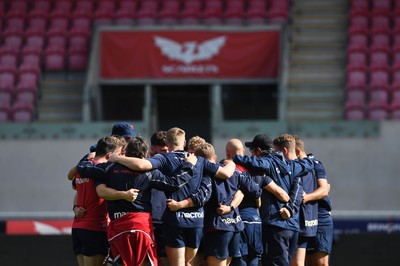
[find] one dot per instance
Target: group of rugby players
(176, 208)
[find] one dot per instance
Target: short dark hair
(105, 145)
(137, 147)
(159, 138)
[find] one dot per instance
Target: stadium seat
(396, 17)
(7, 82)
(380, 19)
(278, 15)
(379, 57)
(42, 5)
(130, 5)
(359, 19)
(169, 12)
(396, 35)
(125, 17)
(35, 37)
(380, 38)
(32, 55)
(59, 18)
(16, 19)
(377, 111)
(357, 56)
(84, 5)
(54, 59)
(358, 36)
(382, 5)
(355, 110)
(379, 78)
(357, 95)
(26, 92)
(191, 12)
(37, 19)
(81, 19)
(356, 78)
(362, 5)
(9, 56)
(148, 12)
(19, 5)
(77, 59)
(212, 13)
(28, 75)
(394, 106)
(79, 38)
(234, 12)
(13, 37)
(103, 17)
(57, 37)
(22, 111)
(256, 12)
(106, 4)
(64, 5)
(5, 109)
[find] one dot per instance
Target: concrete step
(328, 95)
(325, 36)
(316, 45)
(314, 115)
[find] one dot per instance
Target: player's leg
(193, 237)
(79, 258)
(96, 260)
(211, 260)
(176, 256)
(299, 258)
(320, 259)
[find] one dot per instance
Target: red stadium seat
(234, 12)
(7, 82)
(212, 13)
(59, 18)
(77, 59)
(81, 19)
(38, 19)
(28, 75)
(359, 5)
(356, 78)
(382, 5)
(379, 57)
(54, 59)
(377, 111)
(169, 12)
(26, 92)
(79, 38)
(125, 17)
(32, 55)
(357, 56)
(57, 37)
(84, 5)
(16, 19)
(359, 19)
(356, 96)
(64, 5)
(278, 15)
(355, 110)
(5, 109)
(103, 17)
(379, 78)
(380, 38)
(380, 19)
(256, 14)
(35, 37)
(42, 5)
(22, 111)
(147, 14)
(9, 56)
(13, 37)
(394, 106)
(19, 5)
(191, 12)
(358, 36)
(130, 5)
(106, 4)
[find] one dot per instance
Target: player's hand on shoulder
(191, 158)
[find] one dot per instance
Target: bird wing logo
(190, 51)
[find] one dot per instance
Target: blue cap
(124, 129)
(93, 148)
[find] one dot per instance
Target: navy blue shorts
(222, 244)
(178, 237)
(89, 243)
(323, 241)
(158, 235)
(305, 241)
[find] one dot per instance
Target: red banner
(189, 54)
(42, 227)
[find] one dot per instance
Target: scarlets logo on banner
(189, 52)
(39, 227)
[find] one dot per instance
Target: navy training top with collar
(223, 191)
(309, 211)
(119, 177)
(286, 174)
(192, 217)
(324, 204)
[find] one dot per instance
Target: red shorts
(131, 238)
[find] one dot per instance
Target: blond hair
(285, 141)
(195, 142)
(176, 137)
(206, 150)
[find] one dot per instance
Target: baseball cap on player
(261, 141)
(124, 129)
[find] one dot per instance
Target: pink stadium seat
(234, 12)
(362, 5)
(79, 38)
(382, 5)
(356, 78)
(22, 111)
(19, 5)
(377, 111)
(5, 109)
(125, 17)
(43, 5)
(148, 12)
(35, 37)
(212, 13)
(103, 17)
(84, 5)
(379, 97)
(358, 36)
(64, 5)
(28, 75)
(59, 18)
(16, 19)
(380, 19)
(359, 19)
(354, 110)
(9, 56)
(396, 35)
(278, 15)
(106, 4)
(54, 59)
(256, 12)
(26, 92)
(380, 38)
(81, 19)
(279, 4)
(357, 95)
(7, 82)
(149, 4)
(32, 55)
(379, 78)
(37, 19)
(77, 59)
(13, 37)
(57, 37)
(394, 106)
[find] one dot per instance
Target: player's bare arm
(112, 194)
(133, 163)
(277, 191)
